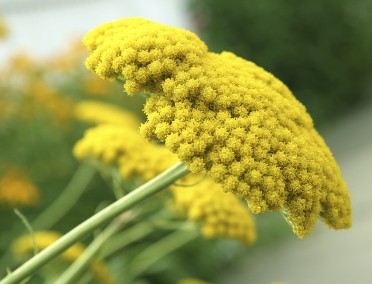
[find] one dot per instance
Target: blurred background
(320, 49)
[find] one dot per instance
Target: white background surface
(43, 27)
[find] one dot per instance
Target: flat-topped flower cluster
(226, 116)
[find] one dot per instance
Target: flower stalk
(67, 199)
(76, 269)
(130, 200)
(158, 250)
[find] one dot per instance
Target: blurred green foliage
(320, 49)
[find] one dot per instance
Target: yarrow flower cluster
(3, 28)
(221, 214)
(122, 146)
(69, 60)
(16, 189)
(23, 247)
(191, 281)
(45, 97)
(97, 112)
(224, 115)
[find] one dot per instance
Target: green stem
(104, 248)
(76, 269)
(67, 199)
(133, 198)
(158, 250)
(117, 184)
(125, 238)
(130, 235)
(29, 228)
(133, 234)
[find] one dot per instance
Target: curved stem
(67, 199)
(158, 250)
(76, 269)
(29, 228)
(116, 184)
(133, 198)
(130, 235)
(125, 238)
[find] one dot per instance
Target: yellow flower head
(220, 214)
(98, 112)
(227, 116)
(150, 161)
(145, 53)
(3, 28)
(16, 189)
(20, 62)
(24, 247)
(191, 281)
(122, 146)
(42, 96)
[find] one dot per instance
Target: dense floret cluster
(224, 115)
(123, 147)
(221, 214)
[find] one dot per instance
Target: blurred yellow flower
(191, 281)
(42, 96)
(3, 28)
(70, 59)
(16, 189)
(220, 214)
(21, 61)
(122, 146)
(227, 116)
(19, 68)
(24, 248)
(99, 112)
